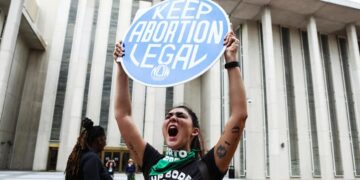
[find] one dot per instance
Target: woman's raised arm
(229, 140)
(129, 131)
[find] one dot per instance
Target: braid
(86, 138)
(73, 163)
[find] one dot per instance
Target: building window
(86, 89)
(311, 107)
(169, 99)
(2, 23)
(350, 104)
(60, 94)
(290, 100)
(135, 7)
(335, 139)
(223, 88)
(242, 151)
(144, 116)
(169, 104)
(105, 99)
(266, 124)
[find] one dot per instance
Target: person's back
(84, 162)
(74, 177)
(92, 167)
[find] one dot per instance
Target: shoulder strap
(203, 170)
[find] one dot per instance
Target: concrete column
(13, 101)
(27, 121)
(320, 101)
(139, 98)
(210, 105)
(192, 97)
(155, 114)
(7, 47)
(154, 117)
(255, 134)
(98, 61)
(138, 105)
(71, 119)
(301, 105)
(23, 149)
(138, 91)
(48, 102)
(271, 94)
(281, 109)
(189, 94)
(354, 61)
(179, 96)
(10, 64)
(341, 110)
(113, 133)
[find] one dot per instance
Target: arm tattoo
(221, 151)
(131, 147)
(235, 129)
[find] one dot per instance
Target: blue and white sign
(174, 42)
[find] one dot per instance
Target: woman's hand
(119, 50)
(232, 45)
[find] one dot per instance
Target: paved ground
(31, 175)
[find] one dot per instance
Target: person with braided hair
(84, 162)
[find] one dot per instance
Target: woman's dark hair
(197, 143)
(86, 138)
(93, 132)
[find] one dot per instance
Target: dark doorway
(52, 158)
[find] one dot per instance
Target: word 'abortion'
(176, 33)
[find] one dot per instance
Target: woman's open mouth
(172, 131)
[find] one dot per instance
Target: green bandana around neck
(173, 160)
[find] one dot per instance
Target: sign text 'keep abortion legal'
(175, 36)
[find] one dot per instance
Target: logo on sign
(174, 42)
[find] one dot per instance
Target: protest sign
(174, 42)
